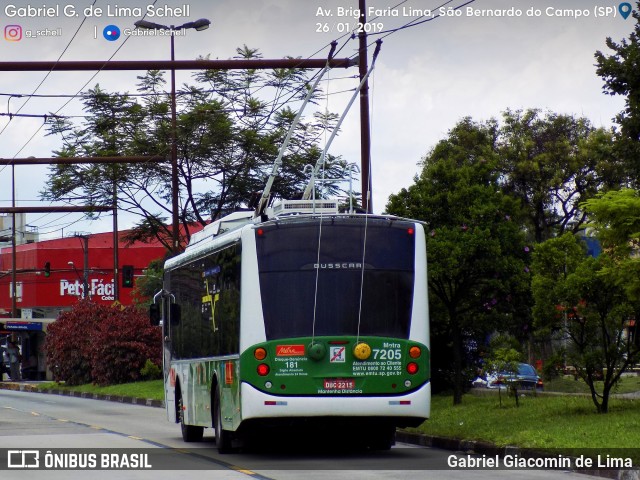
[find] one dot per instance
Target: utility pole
(85, 267)
(365, 132)
(116, 239)
(53, 209)
(14, 287)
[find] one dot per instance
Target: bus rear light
(410, 231)
(263, 369)
(415, 352)
(260, 232)
(412, 368)
(260, 353)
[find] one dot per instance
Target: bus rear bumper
(414, 405)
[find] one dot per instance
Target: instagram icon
(13, 33)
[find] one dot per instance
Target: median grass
(152, 389)
(540, 422)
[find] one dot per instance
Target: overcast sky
(540, 55)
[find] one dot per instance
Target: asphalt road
(75, 425)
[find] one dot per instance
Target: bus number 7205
(387, 354)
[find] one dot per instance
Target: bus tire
(383, 439)
(223, 437)
(190, 433)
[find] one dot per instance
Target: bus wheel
(383, 438)
(223, 437)
(190, 433)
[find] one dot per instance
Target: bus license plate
(339, 384)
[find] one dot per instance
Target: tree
(552, 261)
(552, 163)
(621, 77)
(585, 299)
(227, 137)
(504, 357)
(150, 283)
(615, 217)
(476, 253)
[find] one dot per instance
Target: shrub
(101, 344)
(151, 371)
(123, 345)
(68, 343)
(553, 366)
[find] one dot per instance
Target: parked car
(526, 378)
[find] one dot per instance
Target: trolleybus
(307, 316)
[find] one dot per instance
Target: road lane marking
(222, 463)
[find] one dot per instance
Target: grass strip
(152, 389)
(541, 422)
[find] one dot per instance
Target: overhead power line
(49, 73)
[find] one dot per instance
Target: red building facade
(50, 279)
(50, 274)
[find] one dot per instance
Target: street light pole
(174, 151)
(201, 24)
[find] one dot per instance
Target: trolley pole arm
(310, 186)
(262, 204)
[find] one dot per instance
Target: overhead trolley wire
(70, 99)
(81, 88)
(416, 21)
(276, 104)
(49, 72)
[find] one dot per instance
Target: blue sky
(427, 77)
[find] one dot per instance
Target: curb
(26, 387)
(478, 447)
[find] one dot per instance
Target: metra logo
(290, 351)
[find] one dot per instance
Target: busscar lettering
(338, 266)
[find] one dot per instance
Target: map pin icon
(624, 9)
